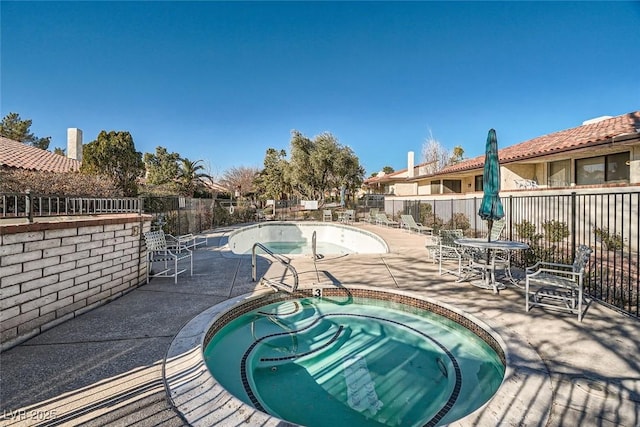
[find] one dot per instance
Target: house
(16, 155)
(603, 152)
(23, 167)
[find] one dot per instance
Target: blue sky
(224, 81)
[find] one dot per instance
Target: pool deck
(105, 367)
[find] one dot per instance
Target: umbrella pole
(489, 266)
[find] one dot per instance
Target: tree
(13, 127)
(162, 167)
(59, 151)
(457, 156)
(347, 171)
(387, 170)
(434, 155)
(240, 180)
(189, 176)
(272, 181)
(113, 154)
(209, 180)
(320, 165)
(300, 173)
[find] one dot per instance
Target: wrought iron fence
(554, 225)
(27, 205)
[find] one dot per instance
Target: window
(452, 186)
(617, 167)
(435, 187)
(479, 186)
(559, 173)
(602, 169)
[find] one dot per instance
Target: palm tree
(190, 177)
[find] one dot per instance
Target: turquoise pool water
(360, 362)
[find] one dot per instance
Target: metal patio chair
(558, 286)
(168, 254)
(448, 250)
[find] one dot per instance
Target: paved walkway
(105, 367)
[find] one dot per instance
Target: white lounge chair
(158, 251)
(382, 219)
(327, 215)
(558, 286)
(371, 216)
(410, 224)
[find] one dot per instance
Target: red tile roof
(585, 136)
(15, 154)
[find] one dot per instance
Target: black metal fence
(553, 226)
(27, 205)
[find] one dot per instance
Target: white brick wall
(51, 272)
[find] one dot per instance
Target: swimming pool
(354, 360)
(296, 238)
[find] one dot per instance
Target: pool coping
(202, 401)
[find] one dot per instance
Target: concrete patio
(105, 367)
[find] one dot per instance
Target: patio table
(492, 246)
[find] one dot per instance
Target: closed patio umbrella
(491, 208)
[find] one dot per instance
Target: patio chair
(501, 259)
(410, 224)
(189, 241)
(327, 215)
(432, 243)
(349, 216)
(159, 251)
(449, 250)
(371, 215)
(497, 228)
(558, 286)
(526, 183)
(383, 219)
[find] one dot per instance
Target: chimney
(74, 144)
(410, 165)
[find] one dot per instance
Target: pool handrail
(288, 266)
(314, 245)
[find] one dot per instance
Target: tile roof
(15, 154)
(585, 136)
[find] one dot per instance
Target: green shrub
(527, 230)
(555, 231)
(611, 241)
(459, 220)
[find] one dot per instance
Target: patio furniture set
(552, 285)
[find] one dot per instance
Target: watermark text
(29, 415)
